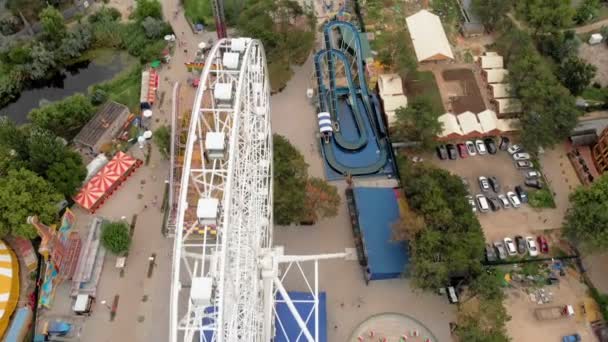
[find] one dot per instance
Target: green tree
(546, 16)
(147, 8)
(586, 222)
(66, 117)
(43, 150)
(153, 28)
(75, 42)
(491, 12)
(322, 200)
(290, 179)
(53, 26)
(67, 174)
(23, 193)
(162, 138)
(560, 45)
(586, 11)
(418, 122)
(43, 62)
(13, 137)
(576, 74)
(115, 237)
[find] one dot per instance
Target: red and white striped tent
(109, 178)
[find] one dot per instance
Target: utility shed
(428, 37)
(102, 128)
(377, 210)
(390, 89)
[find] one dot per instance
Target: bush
(542, 198)
(98, 97)
(162, 138)
(115, 237)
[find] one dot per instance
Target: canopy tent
(287, 328)
(491, 62)
(488, 121)
(9, 285)
(377, 210)
(428, 37)
(101, 186)
(149, 84)
(495, 75)
(500, 90)
(468, 123)
(508, 105)
(451, 128)
(508, 125)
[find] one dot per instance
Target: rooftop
(94, 130)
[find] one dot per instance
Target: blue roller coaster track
(329, 99)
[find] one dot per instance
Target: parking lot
(505, 222)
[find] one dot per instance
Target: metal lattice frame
(237, 253)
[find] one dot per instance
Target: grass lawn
(423, 83)
(199, 11)
(542, 198)
(125, 88)
(595, 94)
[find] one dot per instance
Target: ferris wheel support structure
(226, 272)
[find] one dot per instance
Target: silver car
(504, 201)
(500, 249)
(484, 185)
(521, 156)
(515, 202)
(481, 147)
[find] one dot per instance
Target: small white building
(390, 89)
(428, 37)
(450, 127)
(500, 90)
(495, 75)
(508, 105)
(491, 62)
(469, 124)
(595, 39)
(488, 121)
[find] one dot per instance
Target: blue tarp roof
(21, 320)
(287, 329)
(378, 210)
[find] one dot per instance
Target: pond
(76, 78)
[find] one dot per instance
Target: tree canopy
(52, 23)
(586, 221)
(289, 175)
(148, 8)
(23, 193)
(576, 74)
(418, 122)
(322, 200)
(67, 174)
(491, 12)
(546, 16)
(66, 117)
(162, 138)
(115, 237)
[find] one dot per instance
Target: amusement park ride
(227, 276)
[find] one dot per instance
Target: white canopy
(487, 120)
(390, 84)
(428, 37)
(496, 75)
(491, 62)
(508, 105)
(468, 123)
(450, 125)
(500, 90)
(507, 125)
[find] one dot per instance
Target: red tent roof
(105, 180)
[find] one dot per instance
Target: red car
(462, 150)
(542, 244)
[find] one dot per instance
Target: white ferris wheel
(226, 274)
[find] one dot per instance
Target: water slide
(357, 100)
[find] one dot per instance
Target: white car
(481, 147)
(514, 149)
(504, 201)
(521, 156)
(484, 185)
(515, 202)
(532, 248)
(482, 203)
(532, 174)
(510, 246)
(470, 148)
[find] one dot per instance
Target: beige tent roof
(468, 123)
(390, 84)
(500, 90)
(450, 125)
(508, 125)
(491, 62)
(508, 105)
(487, 120)
(391, 103)
(428, 36)
(496, 75)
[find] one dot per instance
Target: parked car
(504, 201)
(572, 338)
(521, 156)
(514, 149)
(452, 295)
(500, 250)
(490, 145)
(522, 246)
(515, 202)
(494, 203)
(543, 245)
(472, 203)
(490, 253)
(481, 147)
(462, 150)
(452, 154)
(522, 194)
(532, 247)
(504, 143)
(442, 152)
(532, 174)
(482, 203)
(494, 184)
(524, 164)
(471, 148)
(510, 246)
(484, 185)
(533, 183)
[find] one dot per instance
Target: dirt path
(591, 27)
